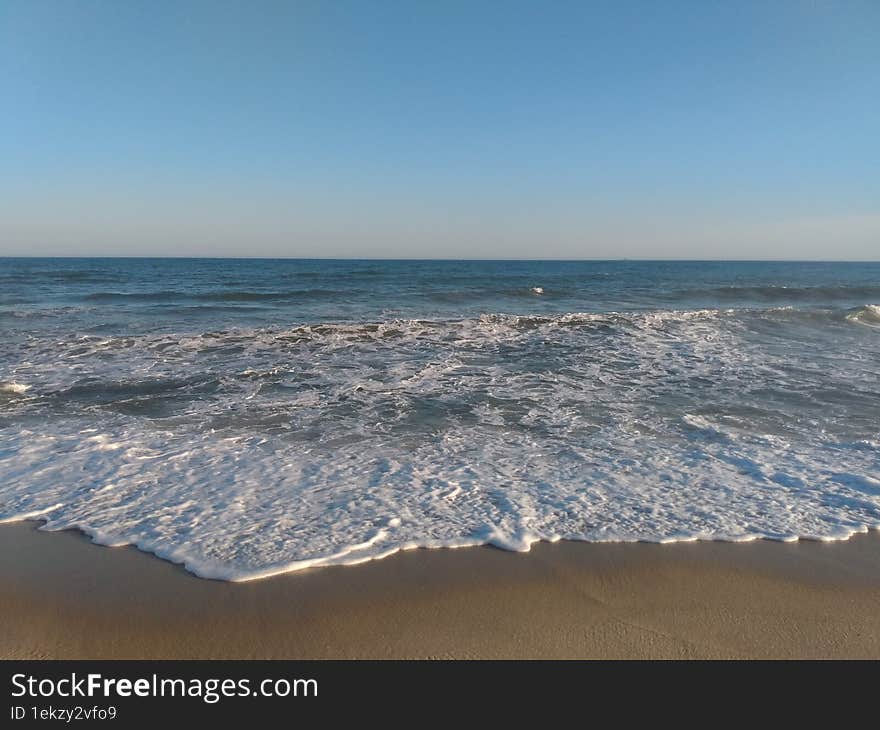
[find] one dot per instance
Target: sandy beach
(63, 597)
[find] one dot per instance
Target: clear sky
(441, 129)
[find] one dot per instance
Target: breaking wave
(245, 452)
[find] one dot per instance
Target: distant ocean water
(250, 417)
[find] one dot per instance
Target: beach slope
(63, 597)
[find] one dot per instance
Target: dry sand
(63, 597)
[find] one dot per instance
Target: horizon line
(445, 259)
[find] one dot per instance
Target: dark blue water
(189, 294)
(249, 417)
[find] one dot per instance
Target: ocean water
(252, 417)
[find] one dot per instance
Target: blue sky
(441, 129)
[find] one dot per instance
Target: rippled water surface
(252, 417)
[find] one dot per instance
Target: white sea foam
(248, 453)
(868, 315)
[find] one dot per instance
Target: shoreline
(62, 596)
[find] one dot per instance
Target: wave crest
(868, 315)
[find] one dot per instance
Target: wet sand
(63, 597)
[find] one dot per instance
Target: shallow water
(251, 417)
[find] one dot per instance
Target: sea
(252, 417)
